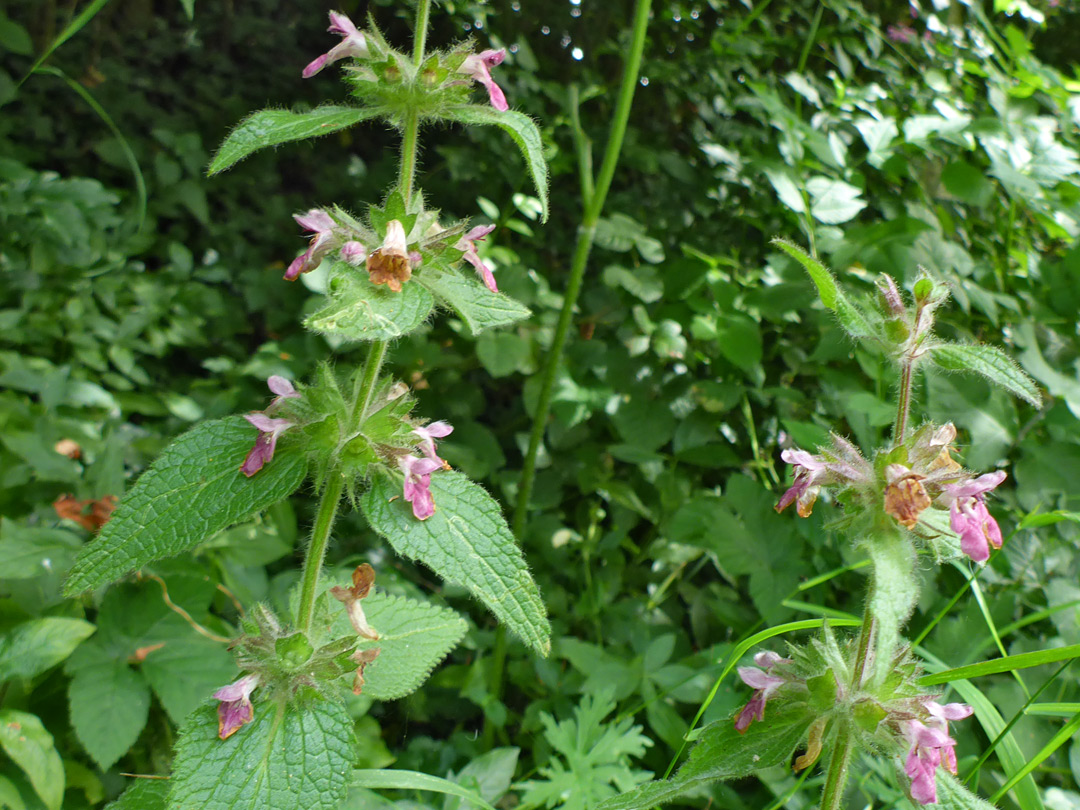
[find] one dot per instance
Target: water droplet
(545, 30)
(677, 17)
(741, 78)
(644, 81)
(689, 37)
(467, 27)
(516, 6)
(695, 14)
(575, 12)
(565, 41)
(575, 2)
(514, 48)
(671, 49)
(578, 54)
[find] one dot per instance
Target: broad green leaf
(1006, 664)
(28, 552)
(478, 306)
(25, 740)
(525, 134)
(722, 752)
(193, 490)
(392, 779)
(991, 363)
(30, 648)
(833, 201)
(491, 773)
(109, 705)
(850, 316)
(142, 794)
(288, 756)
(272, 127)
(187, 669)
(359, 310)
(413, 637)
(467, 542)
(10, 797)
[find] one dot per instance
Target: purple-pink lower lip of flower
(282, 387)
(353, 252)
(479, 67)
(417, 484)
(235, 708)
(767, 659)
(353, 43)
(263, 451)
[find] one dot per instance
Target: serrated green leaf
(187, 669)
(722, 753)
(109, 705)
(273, 127)
(142, 794)
(286, 757)
(27, 552)
(952, 795)
(525, 134)
(25, 740)
(468, 542)
(478, 306)
(30, 648)
(360, 310)
(393, 779)
(851, 317)
(193, 490)
(991, 363)
(413, 637)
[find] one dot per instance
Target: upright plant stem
(364, 385)
(594, 205)
(836, 776)
(316, 552)
(904, 402)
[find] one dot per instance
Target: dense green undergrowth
(884, 140)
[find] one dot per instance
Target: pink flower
(323, 226)
(467, 243)
(810, 471)
(478, 66)
(428, 434)
(900, 33)
(931, 746)
(763, 683)
(969, 517)
(283, 388)
(353, 43)
(353, 252)
(417, 484)
(235, 708)
(263, 451)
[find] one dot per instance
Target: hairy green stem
(836, 776)
(903, 406)
(365, 381)
(593, 206)
(316, 552)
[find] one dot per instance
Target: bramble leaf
(413, 637)
(467, 542)
(272, 127)
(287, 756)
(193, 490)
(525, 134)
(360, 310)
(991, 363)
(478, 306)
(722, 752)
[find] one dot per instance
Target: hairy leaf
(194, 489)
(468, 542)
(360, 310)
(991, 363)
(722, 753)
(30, 648)
(272, 127)
(142, 794)
(413, 637)
(25, 740)
(952, 795)
(525, 134)
(851, 317)
(478, 306)
(287, 756)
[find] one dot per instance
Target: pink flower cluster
(269, 428)
(417, 490)
(931, 748)
(764, 684)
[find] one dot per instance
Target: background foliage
(951, 144)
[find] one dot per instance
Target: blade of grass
(73, 27)
(129, 155)
(1053, 709)
(1063, 736)
(1006, 664)
(980, 599)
